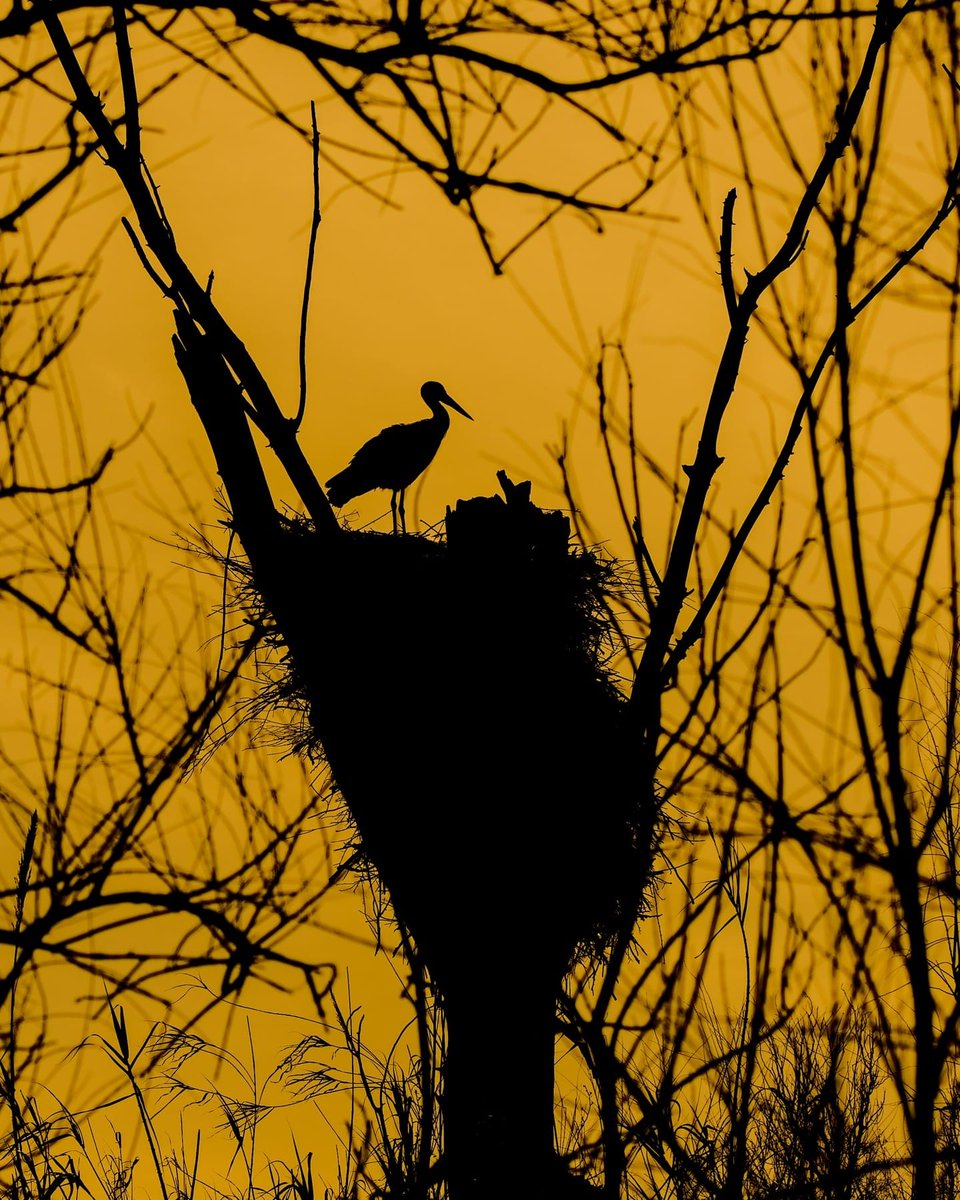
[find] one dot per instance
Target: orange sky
(405, 295)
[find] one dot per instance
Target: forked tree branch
(191, 297)
(657, 661)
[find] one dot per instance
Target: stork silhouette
(397, 455)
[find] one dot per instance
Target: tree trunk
(498, 1088)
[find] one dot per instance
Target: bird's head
(434, 393)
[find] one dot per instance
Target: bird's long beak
(451, 403)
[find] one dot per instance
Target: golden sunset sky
(402, 294)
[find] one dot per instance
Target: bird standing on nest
(397, 455)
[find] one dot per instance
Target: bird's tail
(341, 488)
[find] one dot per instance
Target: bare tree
(447, 90)
(838, 860)
(530, 887)
(97, 784)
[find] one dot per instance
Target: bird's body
(397, 455)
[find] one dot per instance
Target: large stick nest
(463, 691)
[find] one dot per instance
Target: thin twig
(166, 288)
(726, 254)
(311, 254)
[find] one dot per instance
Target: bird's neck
(439, 414)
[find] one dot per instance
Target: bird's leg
(403, 511)
(393, 509)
